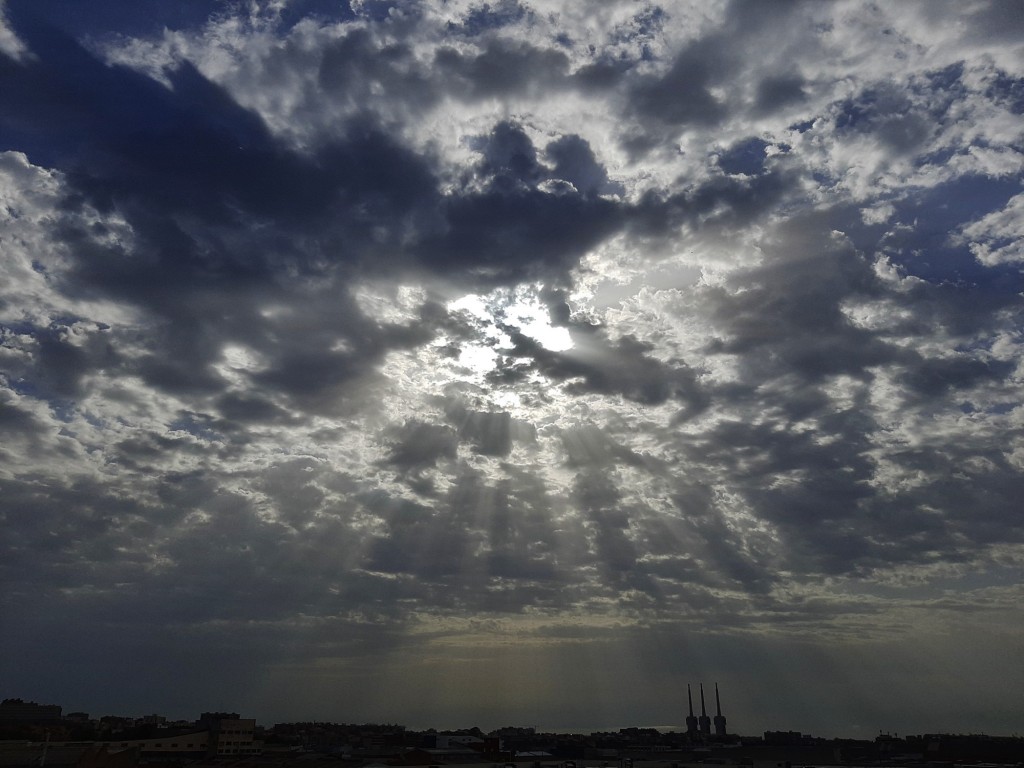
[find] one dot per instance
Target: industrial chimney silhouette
(691, 721)
(704, 722)
(719, 718)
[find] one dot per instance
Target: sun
(497, 312)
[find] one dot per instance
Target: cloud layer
(417, 337)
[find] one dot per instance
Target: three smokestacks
(701, 726)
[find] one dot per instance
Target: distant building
(193, 745)
(453, 741)
(18, 711)
(785, 738)
(511, 730)
(215, 734)
(229, 734)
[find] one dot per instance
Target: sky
(468, 364)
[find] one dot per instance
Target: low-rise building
(18, 711)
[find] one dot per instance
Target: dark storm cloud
(791, 319)
(511, 163)
(502, 68)
(194, 265)
(836, 523)
(420, 445)
(491, 433)
(703, 85)
(777, 92)
(602, 75)
(229, 564)
(575, 162)
(817, 514)
(118, 128)
(514, 231)
(509, 156)
(200, 268)
(147, 452)
(416, 542)
(63, 537)
(830, 515)
(726, 559)
(356, 65)
(524, 543)
(682, 96)
(508, 521)
(591, 447)
(62, 352)
(889, 115)
(603, 367)
(934, 378)
(719, 204)
(17, 422)
(247, 408)
(597, 497)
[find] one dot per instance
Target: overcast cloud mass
(458, 363)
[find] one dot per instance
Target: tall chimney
(719, 718)
(704, 722)
(691, 721)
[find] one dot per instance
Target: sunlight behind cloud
(478, 358)
(504, 311)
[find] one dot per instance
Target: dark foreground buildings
(37, 736)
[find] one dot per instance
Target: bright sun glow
(521, 310)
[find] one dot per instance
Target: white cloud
(996, 238)
(10, 44)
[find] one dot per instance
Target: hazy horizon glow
(459, 363)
